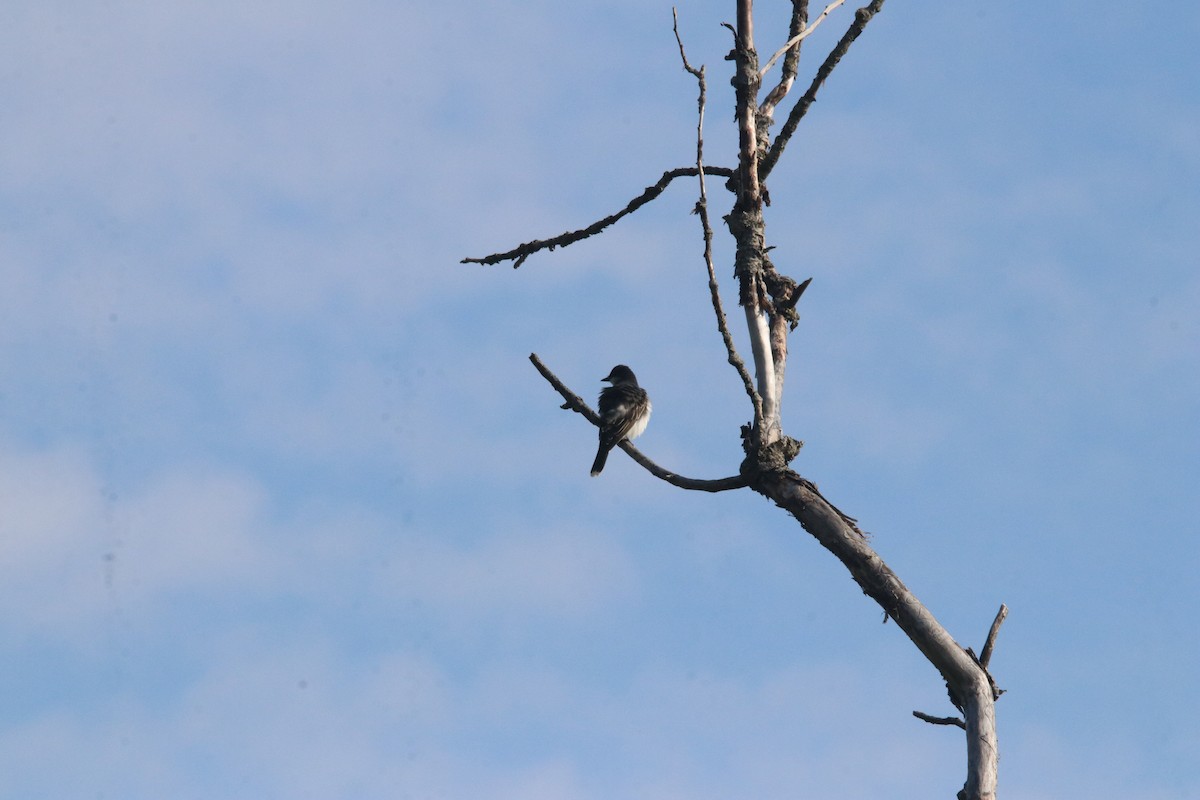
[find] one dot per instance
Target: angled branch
(986, 657)
(702, 210)
(575, 403)
(940, 720)
(698, 73)
(518, 254)
(861, 18)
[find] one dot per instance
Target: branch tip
(940, 720)
(990, 644)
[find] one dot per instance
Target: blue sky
(286, 512)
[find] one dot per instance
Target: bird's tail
(601, 458)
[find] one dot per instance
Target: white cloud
(75, 551)
(49, 500)
(55, 535)
(191, 529)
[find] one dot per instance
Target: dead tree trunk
(768, 300)
(970, 686)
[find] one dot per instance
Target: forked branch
(983, 660)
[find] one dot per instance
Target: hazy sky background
(285, 512)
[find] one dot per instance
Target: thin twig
(699, 73)
(702, 211)
(988, 646)
(575, 403)
(940, 720)
(524, 251)
(861, 18)
(800, 37)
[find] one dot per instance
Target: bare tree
(768, 299)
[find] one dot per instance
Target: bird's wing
(628, 407)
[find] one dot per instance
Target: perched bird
(624, 412)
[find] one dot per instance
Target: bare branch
(702, 210)
(790, 63)
(519, 254)
(799, 37)
(940, 720)
(861, 18)
(699, 73)
(988, 646)
(575, 403)
(694, 484)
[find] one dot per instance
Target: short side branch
(940, 720)
(986, 657)
(518, 254)
(575, 403)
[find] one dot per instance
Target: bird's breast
(639, 425)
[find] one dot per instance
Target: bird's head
(620, 374)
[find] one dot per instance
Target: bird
(624, 412)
